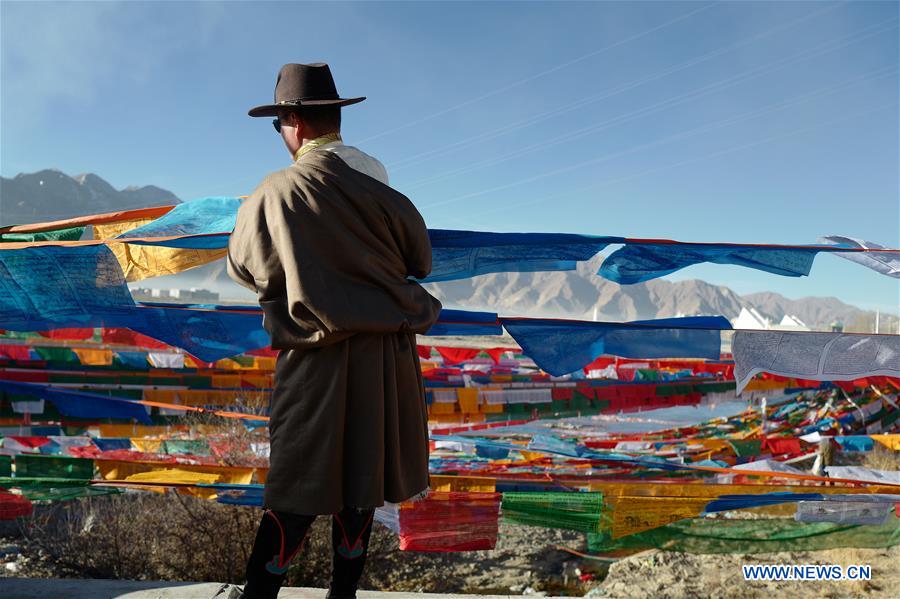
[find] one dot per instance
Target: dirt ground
(679, 575)
(527, 562)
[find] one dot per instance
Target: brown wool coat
(328, 250)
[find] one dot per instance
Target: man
(330, 250)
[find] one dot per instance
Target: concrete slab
(40, 588)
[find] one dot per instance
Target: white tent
(792, 323)
(749, 318)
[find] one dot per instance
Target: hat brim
(272, 109)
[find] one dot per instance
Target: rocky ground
(527, 562)
(679, 575)
(21, 559)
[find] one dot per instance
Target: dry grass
(882, 458)
(151, 536)
(143, 536)
(231, 432)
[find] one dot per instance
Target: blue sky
(747, 122)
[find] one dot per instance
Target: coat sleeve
(412, 237)
(235, 266)
(252, 261)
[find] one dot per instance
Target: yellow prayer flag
(889, 441)
(260, 381)
(136, 430)
(764, 385)
(226, 380)
(144, 261)
(173, 476)
(530, 456)
(147, 445)
(123, 470)
(263, 363)
(631, 515)
(441, 408)
(226, 364)
(94, 357)
(468, 399)
(161, 395)
(710, 491)
(116, 228)
(458, 484)
(190, 362)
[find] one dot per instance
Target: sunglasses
(277, 124)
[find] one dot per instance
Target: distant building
(791, 323)
(750, 318)
(182, 296)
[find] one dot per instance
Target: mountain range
(53, 195)
(581, 294)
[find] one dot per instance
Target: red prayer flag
(13, 506)
(129, 337)
(68, 334)
(18, 353)
(33, 442)
(562, 393)
(780, 446)
(456, 355)
(265, 352)
(496, 353)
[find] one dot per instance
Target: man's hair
(322, 118)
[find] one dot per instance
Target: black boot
(350, 532)
(279, 537)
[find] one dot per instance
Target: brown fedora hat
(303, 85)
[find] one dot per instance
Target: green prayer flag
(45, 466)
(708, 535)
(573, 511)
(67, 234)
(747, 448)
